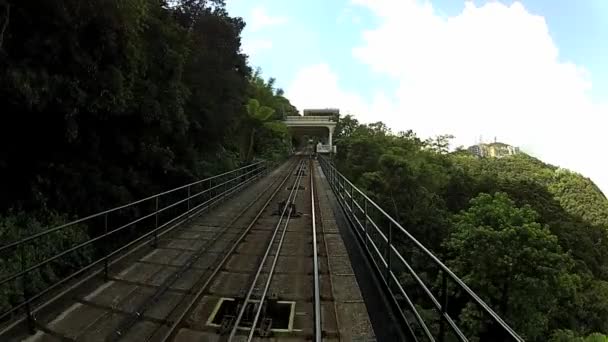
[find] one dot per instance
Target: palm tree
(257, 116)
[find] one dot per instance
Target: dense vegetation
(105, 102)
(529, 238)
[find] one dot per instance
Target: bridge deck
(203, 263)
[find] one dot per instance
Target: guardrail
(121, 228)
(309, 118)
(324, 148)
(384, 239)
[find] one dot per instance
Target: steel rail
(134, 317)
(315, 252)
(263, 261)
(173, 329)
(274, 264)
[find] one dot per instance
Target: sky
(531, 73)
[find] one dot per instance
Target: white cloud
(348, 15)
(254, 46)
(492, 70)
(260, 19)
(317, 86)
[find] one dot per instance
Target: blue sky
(532, 73)
(319, 30)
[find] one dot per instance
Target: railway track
(259, 300)
(219, 237)
(255, 268)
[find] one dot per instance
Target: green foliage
(552, 221)
(129, 97)
(511, 260)
(264, 132)
(15, 226)
(105, 102)
(571, 336)
(256, 117)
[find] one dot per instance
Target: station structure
(319, 123)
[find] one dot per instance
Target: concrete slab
(330, 226)
(187, 281)
(346, 288)
(76, 319)
(132, 301)
(208, 260)
(303, 320)
(164, 308)
(103, 328)
(112, 294)
(202, 312)
(354, 322)
(289, 286)
(329, 324)
(161, 256)
(335, 245)
(145, 331)
(162, 275)
(189, 245)
(187, 335)
(139, 272)
(194, 234)
(226, 284)
(340, 265)
(285, 264)
(40, 336)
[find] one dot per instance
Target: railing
(324, 148)
(114, 231)
(309, 118)
(394, 253)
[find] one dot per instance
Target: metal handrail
(218, 187)
(309, 118)
(341, 186)
(86, 218)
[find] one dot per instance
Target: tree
(571, 336)
(105, 102)
(257, 117)
(512, 261)
(345, 127)
(440, 144)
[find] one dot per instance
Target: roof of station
(321, 112)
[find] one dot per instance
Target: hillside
(501, 223)
(107, 102)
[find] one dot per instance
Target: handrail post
(333, 173)
(389, 245)
(209, 194)
(31, 327)
(188, 201)
(444, 305)
(366, 224)
(106, 241)
(352, 200)
(155, 241)
(336, 180)
(226, 188)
